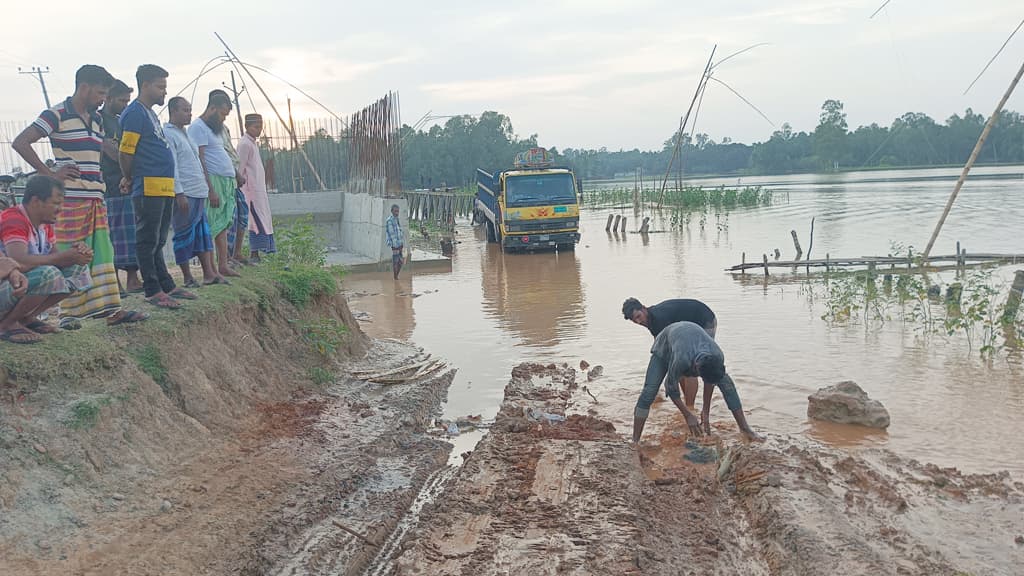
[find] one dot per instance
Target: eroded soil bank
(542, 496)
(218, 454)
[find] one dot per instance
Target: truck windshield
(540, 190)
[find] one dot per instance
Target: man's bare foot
(752, 436)
(226, 271)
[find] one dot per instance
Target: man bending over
(685, 349)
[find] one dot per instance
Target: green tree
(830, 135)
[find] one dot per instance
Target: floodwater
(948, 405)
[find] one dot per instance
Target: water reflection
(538, 296)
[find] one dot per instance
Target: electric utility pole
(238, 110)
(38, 72)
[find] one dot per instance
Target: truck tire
(491, 236)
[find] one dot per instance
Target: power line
(38, 72)
(1012, 34)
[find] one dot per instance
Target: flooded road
(948, 405)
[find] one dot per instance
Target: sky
(578, 73)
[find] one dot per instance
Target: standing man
(191, 229)
(686, 349)
(206, 133)
(27, 237)
(75, 130)
(396, 240)
(147, 165)
(120, 213)
(657, 317)
(254, 187)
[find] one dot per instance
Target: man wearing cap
(254, 187)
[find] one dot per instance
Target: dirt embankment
(216, 454)
(544, 496)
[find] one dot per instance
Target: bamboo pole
(615, 226)
(796, 244)
(811, 245)
(682, 123)
(765, 262)
(623, 224)
(974, 156)
(608, 225)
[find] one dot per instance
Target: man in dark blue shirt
(657, 317)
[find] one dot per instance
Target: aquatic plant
(687, 198)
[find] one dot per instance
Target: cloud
(508, 88)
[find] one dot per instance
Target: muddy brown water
(948, 405)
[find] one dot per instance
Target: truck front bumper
(539, 241)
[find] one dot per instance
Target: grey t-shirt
(680, 345)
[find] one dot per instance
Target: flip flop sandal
(182, 294)
(129, 317)
(166, 302)
(40, 327)
(70, 323)
(20, 336)
(218, 280)
(191, 284)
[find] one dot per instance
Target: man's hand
(66, 172)
(705, 420)
(7, 266)
(19, 283)
(182, 203)
(214, 198)
(693, 424)
(125, 186)
(73, 256)
(240, 180)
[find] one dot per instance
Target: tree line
(448, 154)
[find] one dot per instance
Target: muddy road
(541, 496)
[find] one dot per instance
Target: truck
(532, 206)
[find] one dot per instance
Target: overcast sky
(580, 73)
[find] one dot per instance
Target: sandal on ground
(136, 290)
(218, 280)
(165, 302)
(20, 336)
(69, 323)
(40, 327)
(128, 317)
(182, 294)
(191, 284)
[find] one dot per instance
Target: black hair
(41, 187)
(93, 75)
(149, 73)
(629, 306)
(175, 103)
(218, 99)
(711, 369)
(119, 88)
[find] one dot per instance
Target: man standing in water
(686, 349)
(657, 317)
(396, 240)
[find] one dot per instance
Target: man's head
(152, 81)
(179, 111)
(217, 110)
(117, 98)
(711, 369)
(43, 198)
(92, 83)
(253, 125)
(394, 210)
(633, 310)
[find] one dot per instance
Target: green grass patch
(151, 362)
(84, 414)
(325, 335)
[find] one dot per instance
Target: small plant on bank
(320, 376)
(326, 335)
(298, 267)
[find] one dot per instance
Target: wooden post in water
(765, 256)
(970, 161)
(1013, 300)
(645, 227)
(743, 271)
(826, 263)
(623, 224)
(796, 243)
(778, 254)
(910, 259)
(810, 246)
(615, 226)
(608, 225)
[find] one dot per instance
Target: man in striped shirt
(75, 130)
